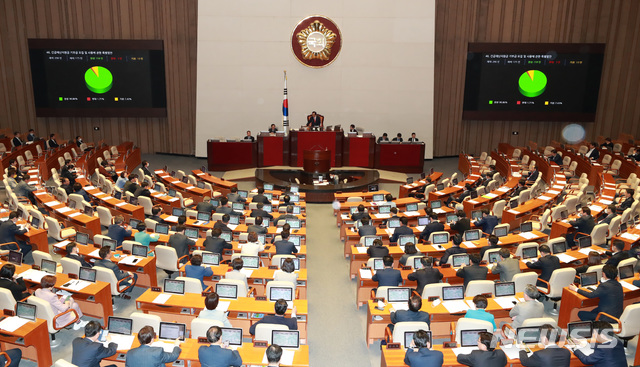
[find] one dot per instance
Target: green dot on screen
(60, 99)
(490, 102)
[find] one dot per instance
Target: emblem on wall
(316, 41)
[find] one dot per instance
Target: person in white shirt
(236, 274)
(211, 312)
(253, 246)
(287, 273)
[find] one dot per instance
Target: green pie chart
(99, 79)
(532, 83)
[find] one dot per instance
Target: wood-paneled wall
(458, 22)
(174, 21)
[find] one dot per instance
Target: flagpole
(285, 107)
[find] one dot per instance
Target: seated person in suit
(249, 136)
(260, 212)
(456, 240)
(387, 277)
(119, 230)
(257, 227)
(15, 285)
(555, 157)
(314, 120)
(593, 152)
(211, 311)
(205, 206)
(462, 224)
(480, 312)
(551, 354)
(522, 185)
(533, 176)
(609, 214)
(273, 129)
(284, 246)
(412, 314)
(143, 190)
(88, 351)
(253, 247)
(468, 188)
(383, 138)
(217, 353)
(529, 309)
(66, 185)
(473, 271)
(625, 201)
(547, 263)
(77, 189)
(366, 229)
(288, 215)
(105, 262)
(287, 273)
(274, 354)
(8, 231)
(23, 188)
(260, 197)
(427, 275)
(607, 351)
(398, 138)
(434, 226)
(59, 304)
(507, 267)
(488, 222)
(194, 270)
(155, 214)
(32, 135)
(413, 138)
(584, 224)
(360, 214)
(122, 180)
(492, 241)
(378, 249)
(610, 293)
(608, 144)
(16, 139)
(419, 353)
(286, 201)
(181, 222)
(388, 200)
(143, 236)
(409, 250)
(131, 185)
(618, 254)
(181, 243)
(73, 253)
(636, 154)
(236, 273)
(352, 129)
(52, 141)
(486, 355)
(146, 355)
(225, 207)
(234, 197)
(222, 223)
(402, 230)
(279, 318)
(593, 259)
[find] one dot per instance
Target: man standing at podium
(314, 120)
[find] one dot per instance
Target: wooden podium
(317, 161)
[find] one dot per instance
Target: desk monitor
(459, 260)
(500, 231)
(452, 293)
(623, 227)
(171, 331)
(118, 195)
(162, 228)
(384, 209)
(393, 223)
(191, 233)
(373, 188)
(435, 204)
(296, 209)
(88, 211)
(262, 238)
(469, 338)
(473, 194)
(413, 207)
(133, 200)
(227, 290)
(529, 252)
(378, 264)
(48, 266)
(71, 205)
(584, 241)
(225, 235)
(494, 257)
(232, 335)
(15, 257)
(237, 206)
(288, 339)
(440, 238)
(377, 197)
(409, 180)
(423, 221)
(267, 186)
(559, 247)
(368, 240)
(294, 188)
(120, 325)
(285, 293)
(626, 271)
(243, 193)
(109, 242)
(134, 223)
(296, 262)
(82, 238)
(200, 184)
(234, 219)
(526, 227)
(250, 262)
(295, 239)
(203, 216)
(476, 214)
(139, 250)
(408, 338)
(440, 187)
(294, 223)
(452, 218)
(210, 258)
(267, 208)
(88, 274)
(173, 286)
(587, 279)
(26, 310)
(528, 335)
(504, 289)
(513, 204)
(185, 179)
(404, 239)
(176, 212)
(472, 235)
(353, 209)
(157, 187)
(564, 214)
(397, 294)
(423, 176)
(171, 192)
(454, 182)
(579, 330)
(173, 173)
(269, 196)
(35, 222)
(417, 262)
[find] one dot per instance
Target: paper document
(629, 286)
(130, 260)
(33, 275)
(397, 306)
(471, 202)
(223, 306)
(553, 192)
(382, 216)
(162, 298)
(545, 198)
(95, 253)
(565, 258)
(491, 195)
(64, 209)
(122, 203)
(456, 306)
(439, 211)
(412, 214)
(513, 211)
(605, 202)
(40, 193)
(171, 218)
(595, 208)
(365, 274)
(503, 189)
(469, 244)
(420, 228)
(76, 284)
(73, 215)
(232, 226)
(470, 303)
(285, 360)
(167, 346)
(505, 302)
(190, 187)
(511, 351)
(389, 231)
(361, 250)
(528, 235)
(106, 198)
(463, 350)
(174, 199)
(62, 244)
(52, 203)
(630, 236)
(587, 250)
(586, 350)
(12, 323)
(124, 341)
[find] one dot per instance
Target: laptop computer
(226, 236)
(191, 233)
(267, 186)
(459, 260)
(377, 197)
(134, 222)
(296, 262)
(233, 336)
(82, 238)
(294, 198)
(139, 250)
(626, 271)
(162, 228)
(26, 311)
(176, 212)
(133, 200)
(469, 338)
(412, 207)
(378, 264)
(505, 289)
(120, 325)
(408, 338)
(200, 184)
(88, 211)
(452, 293)
(579, 330)
(423, 221)
(368, 240)
(440, 238)
(276, 293)
(250, 262)
(494, 257)
(397, 294)
(529, 252)
(528, 335)
(384, 209)
(35, 222)
(500, 231)
(118, 195)
(435, 204)
(170, 331)
(472, 235)
(48, 266)
(171, 192)
(234, 219)
(296, 209)
(440, 187)
(409, 180)
(452, 218)
(584, 241)
(559, 247)
(237, 206)
(288, 339)
(227, 290)
(588, 279)
(526, 227)
(173, 286)
(243, 193)
(564, 214)
(267, 208)
(295, 239)
(473, 194)
(393, 223)
(404, 239)
(417, 262)
(15, 257)
(109, 242)
(210, 258)
(476, 214)
(88, 274)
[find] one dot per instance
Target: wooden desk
(273, 150)
(400, 157)
(70, 217)
(32, 339)
(230, 155)
(187, 190)
(116, 206)
(404, 190)
(218, 184)
(524, 211)
(359, 151)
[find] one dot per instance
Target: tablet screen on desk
(162, 228)
(176, 212)
(423, 221)
(120, 325)
(440, 238)
(494, 257)
(505, 289)
(459, 260)
(435, 204)
(377, 197)
(171, 331)
(191, 233)
(469, 338)
(580, 330)
(529, 252)
(378, 264)
(109, 242)
(626, 271)
(393, 223)
(232, 335)
(134, 223)
(139, 250)
(404, 239)
(286, 338)
(559, 247)
(296, 262)
(412, 207)
(526, 227)
(26, 311)
(237, 206)
(87, 274)
(203, 216)
(528, 335)
(584, 241)
(226, 236)
(476, 214)
(210, 258)
(15, 257)
(295, 240)
(587, 279)
(35, 222)
(227, 290)
(82, 238)
(285, 293)
(472, 235)
(200, 184)
(234, 219)
(268, 186)
(294, 223)
(408, 338)
(451, 293)
(398, 294)
(174, 286)
(250, 262)
(384, 209)
(267, 208)
(500, 231)
(48, 266)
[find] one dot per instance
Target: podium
(317, 161)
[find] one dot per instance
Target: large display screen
(525, 81)
(98, 78)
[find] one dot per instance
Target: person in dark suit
(260, 212)
(105, 262)
(636, 154)
(593, 153)
(260, 197)
(410, 250)
(488, 222)
(234, 197)
(383, 138)
(145, 169)
(463, 223)
(314, 120)
(522, 185)
(360, 214)
(456, 240)
(66, 185)
(222, 223)
(398, 138)
(273, 129)
(607, 352)
(584, 224)
(473, 271)
(78, 190)
(551, 354)
(387, 277)
(625, 201)
(608, 144)
(618, 254)
(143, 190)
(413, 138)
(155, 214)
(609, 213)
(486, 355)
(365, 229)
(16, 139)
(16, 356)
(284, 246)
(280, 307)
(148, 356)
(433, 226)
(119, 230)
(610, 293)
(427, 275)
(412, 314)
(216, 244)
(8, 231)
(205, 206)
(418, 353)
(180, 242)
(15, 285)
(32, 135)
(88, 351)
(555, 158)
(73, 253)
(131, 185)
(288, 215)
(217, 354)
(257, 227)
(52, 142)
(378, 249)
(547, 263)
(492, 241)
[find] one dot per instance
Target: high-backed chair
(242, 287)
(263, 331)
(433, 290)
(167, 259)
(402, 327)
(597, 269)
(141, 319)
(498, 208)
(117, 286)
(560, 278)
(476, 287)
(521, 280)
(280, 284)
(628, 325)
(147, 204)
(106, 219)
(191, 285)
(54, 230)
(469, 324)
(199, 327)
(45, 311)
(7, 301)
(70, 266)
